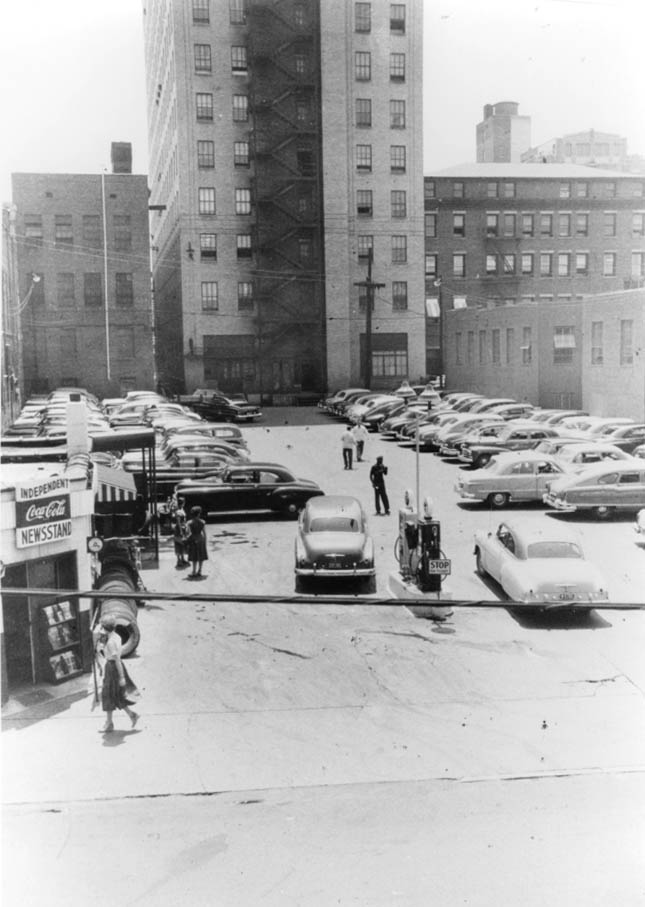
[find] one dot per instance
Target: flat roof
(530, 172)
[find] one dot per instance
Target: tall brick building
(88, 319)
(285, 148)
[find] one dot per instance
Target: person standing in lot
(118, 691)
(349, 444)
(377, 478)
(179, 531)
(196, 542)
(360, 436)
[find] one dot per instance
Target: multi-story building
(591, 148)
(501, 234)
(87, 316)
(12, 381)
(285, 152)
(503, 134)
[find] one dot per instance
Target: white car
(543, 567)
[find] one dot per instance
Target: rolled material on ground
(122, 610)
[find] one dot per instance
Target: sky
(72, 77)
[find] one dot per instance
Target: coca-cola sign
(43, 512)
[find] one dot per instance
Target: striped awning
(113, 484)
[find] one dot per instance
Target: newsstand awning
(114, 484)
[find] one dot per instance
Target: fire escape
(284, 96)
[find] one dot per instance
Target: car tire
(369, 585)
(292, 509)
(498, 499)
(301, 585)
(481, 461)
(604, 512)
(479, 567)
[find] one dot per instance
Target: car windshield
(334, 524)
(553, 549)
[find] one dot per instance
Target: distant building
(88, 321)
(506, 234)
(503, 134)
(285, 148)
(590, 148)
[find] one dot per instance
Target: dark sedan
(249, 487)
(219, 408)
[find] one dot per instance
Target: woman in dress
(118, 689)
(196, 541)
(179, 533)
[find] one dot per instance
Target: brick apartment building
(285, 147)
(88, 319)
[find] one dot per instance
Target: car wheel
(292, 509)
(479, 567)
(481, 461)
(369, 585)
(604, 512)
(301, 585)
(498, 499)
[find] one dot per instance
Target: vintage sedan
(575, 457)
(333, 540)
(603, 489)
(515, 437)
(249, 487)
(511, 476)
(218, 407)
(542, 566)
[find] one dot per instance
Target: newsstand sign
(43, 512)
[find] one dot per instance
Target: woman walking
(196, 541)
(118, 691)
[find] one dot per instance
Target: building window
(364, 202)
(564, 264)
(239, 65)
(509, 190)
(397, 159)
(491, 264)
(65, 291)
(638, 223)
(124, 290)
(399, 295)
(299, 15)
(237, 12)
(609, 264)
(430, 226)
(34, 229)
(241, 154)
(390, 363)
(458, 189)
(201, 12)
(546, 264)
(609, 223)
(397, 18)
(363, 17)
(362, 66)
(459, 264)
(509, 225)
(429, 189)
(492, 224)
(626, 342)
(508, 263)
(510, 345)
(242, 201)
(527, 225)
(597, 354)
(491, 190)
(240, 108)
(481, 338)
(527, 351)
(303, 111)
(495, 346)
(305, 250)
(365, 244)
(210, 298)
(92, 230)
(638, 264)
(458, 224)
(362, 299)
(364, 158)
(582, 263)
(122, 233)
(638, 190)
(202, 58)
(582, 224)
(397, 114)
(300, 63)
(245, 296)
(527, 263)
(399, 250)
(609, 190)
(93, 289)
(564, 225)
(546, 224)
(208, 246)
(431, 265)
(244, 245)
(582, 190)
(306, 162)
(397, 67)
(205, 155)
(564, 343)
(63, 235)
(398, 203)
(204, 102)
(206, 200)
(363, 112)
(565, 190)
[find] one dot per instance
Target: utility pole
(370, 286)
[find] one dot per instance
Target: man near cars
(349, 443)
(360, 435)
(377, 478)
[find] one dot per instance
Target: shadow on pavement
(38, 705)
